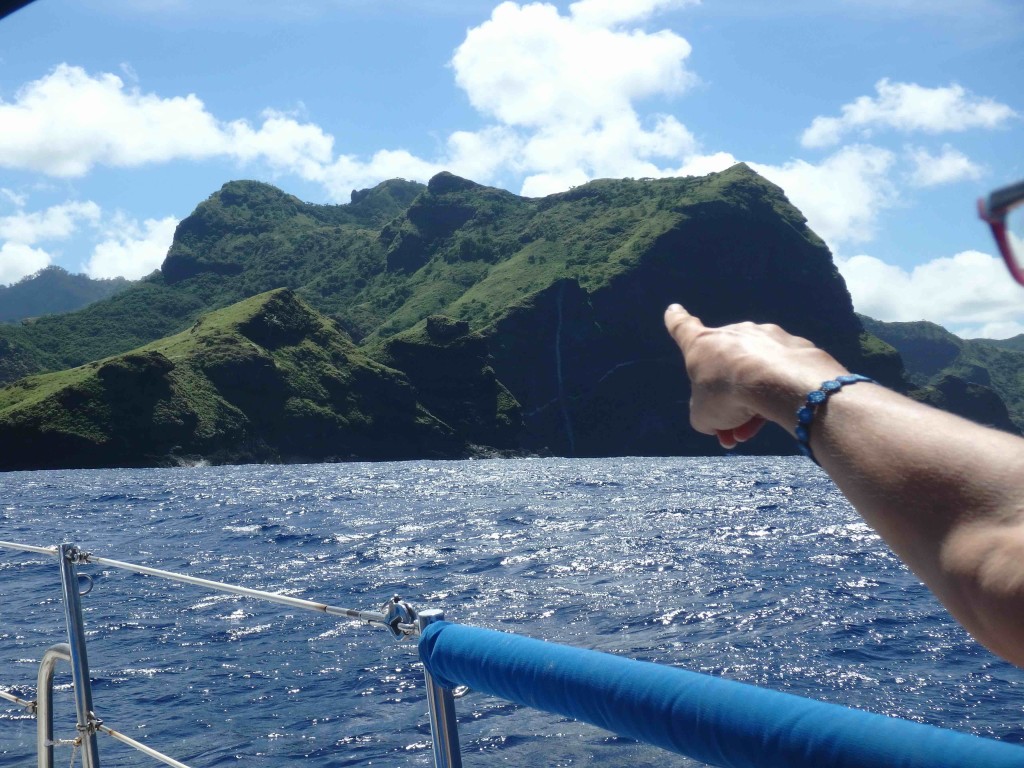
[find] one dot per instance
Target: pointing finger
(682, 326)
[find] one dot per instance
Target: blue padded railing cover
(719, 722)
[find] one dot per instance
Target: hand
(745, 374)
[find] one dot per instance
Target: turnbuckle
(76, 555)
(400, 618)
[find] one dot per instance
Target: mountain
(980, 379)
(267, 379)
(1014, 343)
(53, 290)
(531, 324)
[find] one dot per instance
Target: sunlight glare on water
(751, 569)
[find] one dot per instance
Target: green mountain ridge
(267, 379)
(528, 324)
(54, 290)
(981, 379)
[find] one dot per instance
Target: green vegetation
(51, 291)
(474, 317)
(265, 379)
(978, 378)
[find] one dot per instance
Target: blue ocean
(754, 569)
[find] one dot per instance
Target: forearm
(946, 494)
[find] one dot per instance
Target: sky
(882, 120)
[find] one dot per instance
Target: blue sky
(883, 120)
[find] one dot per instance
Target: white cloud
(608, 13)
(560, 90)
(58, 222)
(131, 249)
(18, 260)
(971, 293)
(14, 198)
(67, 122)
(22, 230)
(843, 195)
(1000, 330)
(563, 90)
(530, 66)
(949, 166)
(909, 107)
(348, 172)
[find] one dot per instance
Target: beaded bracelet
(805, 415)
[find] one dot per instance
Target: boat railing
(716, 721)
(396, 616)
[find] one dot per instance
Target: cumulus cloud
(349, 172)
(22, 230)
(843, 195)
(948, 166)
(69, 121)
(908, 107)
(18, 260)
(608, 13)
(58, 222)
(528, 65)
(131, 249)
(970, 293)
(560, 90)
(563, 89)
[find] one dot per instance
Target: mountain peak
(445, 183)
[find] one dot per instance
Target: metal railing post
(44, 702)
(444, 728)
(87, 720)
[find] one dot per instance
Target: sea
(753, 569)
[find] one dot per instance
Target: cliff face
(449, 368)
(592, 365)
(516, 323)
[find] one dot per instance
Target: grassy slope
(266, 376)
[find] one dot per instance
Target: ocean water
(752, 569)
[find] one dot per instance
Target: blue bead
(805, 415)
(817, 397)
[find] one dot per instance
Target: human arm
(946, 494)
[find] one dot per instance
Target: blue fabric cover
(717, 721)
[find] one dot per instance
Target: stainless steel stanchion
(444, 729)
(87, 720)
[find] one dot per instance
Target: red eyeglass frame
(993, 210)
